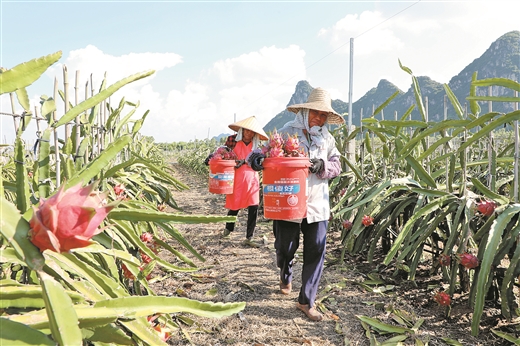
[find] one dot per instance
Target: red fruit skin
(486, 208)
(367, 220)
(127, 273)
(468, 261)
(146, 237)
(119, 189)
(442, 298)
(445, 260)
(68, 219)
(347, 224)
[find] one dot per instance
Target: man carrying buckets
(246, 186)
(310, 125)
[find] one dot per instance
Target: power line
(332, 52)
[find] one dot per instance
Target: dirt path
(237, 273)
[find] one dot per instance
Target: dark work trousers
(252, 214)
(314, 242)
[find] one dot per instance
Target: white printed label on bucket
(222, 176)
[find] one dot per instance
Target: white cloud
(257, 83)
(435, 39)
(91, 61)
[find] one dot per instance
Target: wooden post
(446, 146)
(78, 122)
(362, 146)
(427, 139)
(515, 107)
(56, 142)
(491, 150)
(66, 99)
(13, 110)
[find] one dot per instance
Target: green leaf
(28, 296)
(404, 68)
(488, 193)
(26, 73)
(98, 98)
(381, 326)
(62, 316)
(22, 180)
(504, 82)
(108, 334)
(493, 240)
(427, 209)
(150, 305)
(421, 172)
(384, 104)
(509, 337)
(473, 105)
(18, 334)
(23, 100)
(99, 163)
(158, 216)
(15, 230)
(454, 102)
(476, 137)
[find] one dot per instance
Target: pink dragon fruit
(276, 140)
(276, 152)
(442, 298)
(291, 144)
(468, 261)
(487, 208)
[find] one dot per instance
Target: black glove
(239, 163)
(317, 166)
(255, 161)
(206, 162)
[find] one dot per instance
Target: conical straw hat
(319, 99)
(251, 124)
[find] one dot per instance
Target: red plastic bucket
(221, 176)
(284, 183)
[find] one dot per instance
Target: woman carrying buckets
(310, 125)
(246, 186)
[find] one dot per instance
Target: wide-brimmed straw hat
(251, 124)
(319, 99)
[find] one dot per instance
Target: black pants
(252, 213)
(314, 244)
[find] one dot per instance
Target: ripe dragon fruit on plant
(68, 219)
(486, 208)
(442, 298)
(347, 224)
(367, 220)
(468, 261)
(445, 260)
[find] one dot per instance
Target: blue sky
(215, 61)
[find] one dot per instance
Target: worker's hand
(206, 162)
(317, 166)
(255, 161)
(239, 163)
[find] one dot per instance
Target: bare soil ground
(234, 272)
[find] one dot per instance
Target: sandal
(311, 313)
